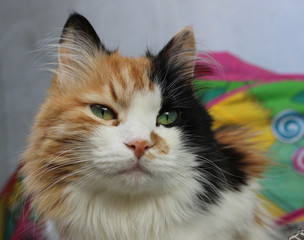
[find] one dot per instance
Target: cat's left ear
(78, 40)
(179, 54)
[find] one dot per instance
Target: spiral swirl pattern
(298, 160)
(288, 126)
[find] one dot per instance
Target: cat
(122, 149)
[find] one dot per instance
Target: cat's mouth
(137, 168)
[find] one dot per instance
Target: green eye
(103, 112)
(167, 118)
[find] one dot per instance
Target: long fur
(85, 181)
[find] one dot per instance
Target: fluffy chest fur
(162, 217)
(123, 149)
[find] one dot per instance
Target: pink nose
(139, 147)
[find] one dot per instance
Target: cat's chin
(134, 180)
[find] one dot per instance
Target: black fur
(78, 25)
(221, 166)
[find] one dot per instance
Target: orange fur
(253, 162)
(64, 119)
(160, 146)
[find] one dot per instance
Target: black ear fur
(173, 67)
(78, 27)
(181, 48)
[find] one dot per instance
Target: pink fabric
(234, 69)
(26, 228)
(290, 217)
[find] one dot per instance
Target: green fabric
(283, 184)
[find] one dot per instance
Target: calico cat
(123, 150)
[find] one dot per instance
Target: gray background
(269, 33)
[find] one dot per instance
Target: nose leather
(139, 147)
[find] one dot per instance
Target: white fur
(109, 205)
(168, 217)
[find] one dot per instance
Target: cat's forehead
(128, 72)
(118, 79)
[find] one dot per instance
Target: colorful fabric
(235, 93)
(273, 106)
(17, 220)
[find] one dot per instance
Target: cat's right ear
(78, 41)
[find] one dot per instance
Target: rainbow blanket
(273, 105)
(237, 93)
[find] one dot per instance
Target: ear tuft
(76, 26)
(185, 38)
(181, 48)
(177, 59)
(78, 39)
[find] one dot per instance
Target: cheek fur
(160, 147)
(171, 156)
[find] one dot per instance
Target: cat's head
(121, 122)
(122, 125)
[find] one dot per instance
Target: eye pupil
(167, 116)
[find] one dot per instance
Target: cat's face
(111, 123)
(117, 122)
